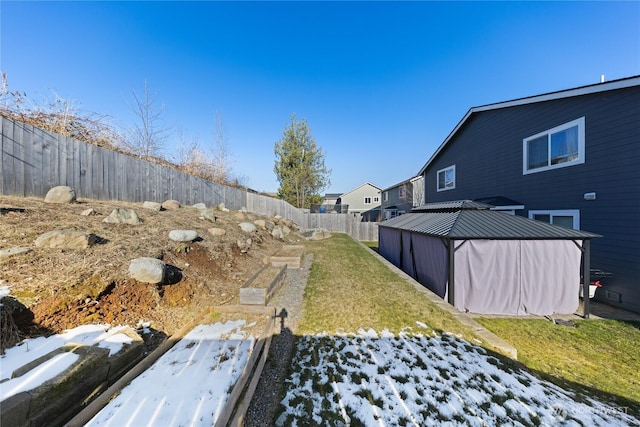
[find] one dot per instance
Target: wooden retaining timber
(259, 289)
(289, 255)
(101, 401)
(237, 404)
(58, 399)
(235, 409)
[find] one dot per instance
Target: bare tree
(213, 163)
(149, 133)
(56, 114)
(222, 163)
(418, 190)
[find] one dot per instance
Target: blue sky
(381, 84)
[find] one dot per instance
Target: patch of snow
(4, 291)
(31, 349)
(188, 385)
(37, 376)
(413, 379)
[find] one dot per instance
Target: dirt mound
(54, 289)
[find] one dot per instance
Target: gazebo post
(450, 286)
(586, 277)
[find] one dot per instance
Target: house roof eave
(359, 186)
(565, 93)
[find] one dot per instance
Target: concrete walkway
(600, 310)
(597, 310)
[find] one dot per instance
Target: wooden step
(259, 289)
(289, 255)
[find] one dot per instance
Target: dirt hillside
(55, 289)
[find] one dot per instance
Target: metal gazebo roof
(481, 223)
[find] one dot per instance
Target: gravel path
(288, 301)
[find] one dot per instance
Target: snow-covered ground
(188, 386)
(32, 349)
(415, 379)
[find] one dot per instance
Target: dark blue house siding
(487, 153)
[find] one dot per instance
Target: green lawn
(600, 354)
(348, 288)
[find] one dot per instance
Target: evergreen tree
(299, 165)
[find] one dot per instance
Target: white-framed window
(376, 199)
(402, 192)
(447, 178)
(555, 148)
(385, 196)
(569, 218)
(367, 200)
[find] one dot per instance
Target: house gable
(363, 198)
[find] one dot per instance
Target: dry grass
(56, 285)
(24, 219)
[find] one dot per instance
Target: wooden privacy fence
(33, 160)
(344, 223)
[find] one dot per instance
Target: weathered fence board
(33, 160)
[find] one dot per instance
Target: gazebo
(489, 262)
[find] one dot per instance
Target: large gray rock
(147, 270)
(217, 231)
(208, 214)
(171, 204)
(200, 206)
(66, 239)
(277, 233)
(154, 206)
(247, 227)
(183, 235)
(314, 234)
(60, 194)
(280, 232)
(287, 222)
(122, 216)
(244, 245)
(13, 251)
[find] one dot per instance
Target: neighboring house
(570, 158)
(331, 198)
(363, 198)
(402, 197)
